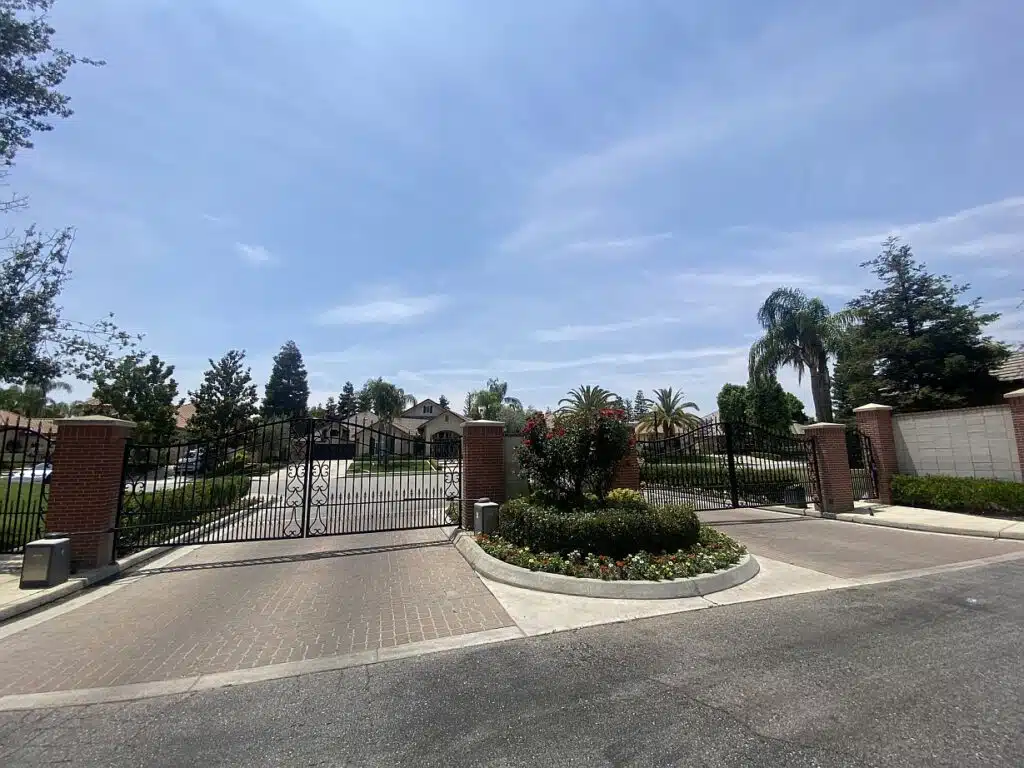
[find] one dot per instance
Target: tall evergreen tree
(348, 404)
(641, 405)
(919, 346)
(331, 408)
(226, 400)
(287, 392)
(139, 390)
(443, 402)
(732, 403)
(364, 400)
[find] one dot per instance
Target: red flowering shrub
(576, 455)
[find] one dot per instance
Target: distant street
(920, 672)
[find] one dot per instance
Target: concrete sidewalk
(934, 521)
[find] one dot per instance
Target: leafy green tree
(443, 402)
(796, 408)
(926, 346)
(586, 398)
(287, 392)
(387, 400)
(767, 406)
(491, 402)
(802, 333)
(640, 405)
(669, 414)
(142, 390)
(348, 403)
(226, 400)
(732, 403)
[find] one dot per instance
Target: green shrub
(627, 498)
(973, 495)
(146, 514)
(615, 532)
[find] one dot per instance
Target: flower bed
(712, 552)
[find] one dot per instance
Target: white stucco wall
(968, 442)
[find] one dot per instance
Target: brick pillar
(835, 482)
(85, 486)
(483, 465)
(875, 421)
(1016, 402)
(627, 474)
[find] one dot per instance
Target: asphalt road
(921, 672)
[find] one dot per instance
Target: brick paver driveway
(234, 606)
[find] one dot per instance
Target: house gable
(425, 409)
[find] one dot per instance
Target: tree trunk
(821, 387)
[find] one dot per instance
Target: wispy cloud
(578, 332)
(763, 280)
(384, 312)
(254, 254)
(619, 244)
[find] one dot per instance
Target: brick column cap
(872, 407)
(824, 425)
(1015, 394)
(93, 421)
(482, 423)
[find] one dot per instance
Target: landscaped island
(574, 524)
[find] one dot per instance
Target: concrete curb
(866, 519)
(697, 586)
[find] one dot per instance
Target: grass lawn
(19, 514)
(401, 466)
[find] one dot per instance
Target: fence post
(627, 473)
(730, 454)
(86, 484)
(835, 481)
(483, 465)
(875, 421)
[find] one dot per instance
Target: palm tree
(491, 402)
(33, 400)
(800, 332)
(669, 413)
(587, 398)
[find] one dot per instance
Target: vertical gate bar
(307, 480)
(731, 459)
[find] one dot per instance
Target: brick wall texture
(627, 474)
(483, 466)
(85, 489)
(877, 424)
(836, 481)
(1016, 403)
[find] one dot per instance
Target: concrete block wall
(966, 442)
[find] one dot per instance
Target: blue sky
(553, 193)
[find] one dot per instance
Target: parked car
(192, 462)
(39, 473)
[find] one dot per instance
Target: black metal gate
(26, 452)
(288, 479)
(724, 465)
(862, 464)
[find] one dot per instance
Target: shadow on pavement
(296, 558)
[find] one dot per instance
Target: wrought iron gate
(862, 464)
(724, 465)
(288, 479)
(26, 452)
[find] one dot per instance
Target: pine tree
(917, 346)
(364, 400)
(287, 392)
(443, 402)
(641, 405)
(348, 406)
(331, 408)
(226, 400)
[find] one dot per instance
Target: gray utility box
(485, 517)
(47, 563)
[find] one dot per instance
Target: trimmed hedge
(148, 515)
(752, 482)
(615, 531)
(973, 495)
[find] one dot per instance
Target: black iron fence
(862, 464)
(26, 452)
(721, 465)
(291, 478)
